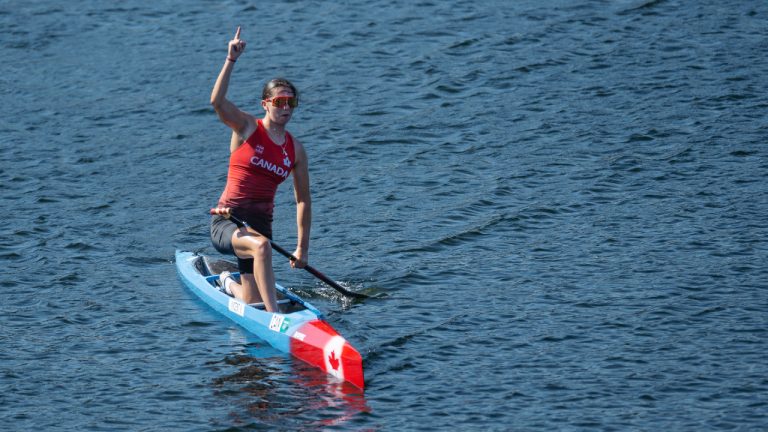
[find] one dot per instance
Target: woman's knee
(256, 247)
(263, 249)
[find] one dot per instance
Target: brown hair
(275, 83)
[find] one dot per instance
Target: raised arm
(227, 111)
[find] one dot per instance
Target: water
(559, 206)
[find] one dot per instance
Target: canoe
(298, 329)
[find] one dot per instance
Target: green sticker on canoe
(279, 323)
(284, 326)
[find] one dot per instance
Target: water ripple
(559, 210)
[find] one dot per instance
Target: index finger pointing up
(237, 33)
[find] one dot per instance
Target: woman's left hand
(301, 258)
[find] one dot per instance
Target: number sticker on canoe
(237, 307)
(279, 323)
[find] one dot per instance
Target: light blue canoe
(299, 329)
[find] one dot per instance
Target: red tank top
(256, 168)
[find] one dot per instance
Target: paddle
(312, 270)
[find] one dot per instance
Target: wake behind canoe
(299, 328)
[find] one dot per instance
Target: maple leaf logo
(333, 360)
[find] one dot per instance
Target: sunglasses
(283, 101)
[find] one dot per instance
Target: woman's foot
(225, 279)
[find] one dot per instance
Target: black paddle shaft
(308, 268)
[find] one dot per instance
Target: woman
(260, 160)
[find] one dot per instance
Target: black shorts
(223, 228)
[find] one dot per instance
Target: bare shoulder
(297, 143)
(301, 154)
(235, 142)
(251, 125)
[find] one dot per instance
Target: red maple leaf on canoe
(333, 360)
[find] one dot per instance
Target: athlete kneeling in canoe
(260, 160)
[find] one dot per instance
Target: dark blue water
(560, 208)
